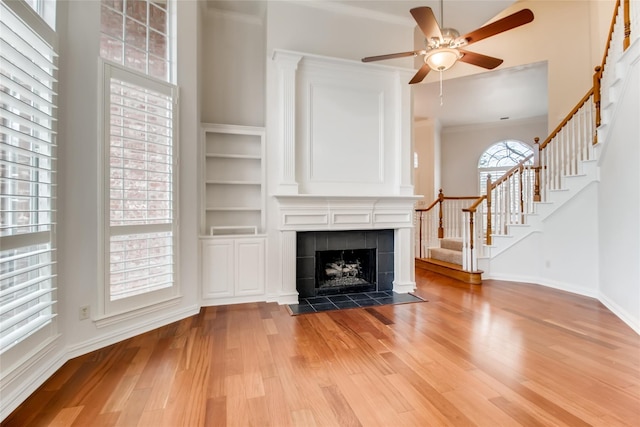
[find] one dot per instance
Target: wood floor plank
(504, 353)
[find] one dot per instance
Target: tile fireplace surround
(376, 244)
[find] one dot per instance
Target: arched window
(499, 158)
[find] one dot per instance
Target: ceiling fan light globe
(441, 59)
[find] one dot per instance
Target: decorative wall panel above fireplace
(342, 126)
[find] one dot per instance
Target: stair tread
(447, 255)
(445, 250)
(451, 244)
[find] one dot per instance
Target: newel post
(440, 226)
(489, 210)
(471, 215)
(536, 169)
(597, 76)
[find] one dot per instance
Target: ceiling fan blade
(390, 56)
(501, 25)
(420, 75)
(484, 61)
(427, 22)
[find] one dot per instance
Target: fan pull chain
(441, 97)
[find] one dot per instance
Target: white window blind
(140, 117)
(27, 180)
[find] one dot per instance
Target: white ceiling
(517, 93)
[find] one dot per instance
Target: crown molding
(354, 11)
(235, 16)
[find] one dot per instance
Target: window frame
(43, 336)
(119, 309)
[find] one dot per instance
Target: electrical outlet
(84, 312)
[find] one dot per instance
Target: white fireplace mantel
(320, 212)
(333, 213)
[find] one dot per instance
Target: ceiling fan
(443, 46)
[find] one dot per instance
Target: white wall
(424, 144)
(233, 62)
(462, 147)
(80, 198)
(562, 254)
(619, 204)
(338, 33)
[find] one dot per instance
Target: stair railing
(561, 154)
(510, 198)
(441, 219)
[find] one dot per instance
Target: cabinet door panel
(217, 268)
(250, 267)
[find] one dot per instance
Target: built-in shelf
(232, 208)
(218, 182)
(233, 156)
(233, 178)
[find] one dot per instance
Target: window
(27, 182)
(135, 33)
(46, 9)
(139, 109)
(499, 158)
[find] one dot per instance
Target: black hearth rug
(354, 300)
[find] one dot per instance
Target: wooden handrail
(566, 119)
(511, 171)
(475, 204)
(611, 28)
(435, 202)
(627, 25)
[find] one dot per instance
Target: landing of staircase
(448, 269)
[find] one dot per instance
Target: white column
(288, 291)
(404, 262)
(404, 133)
(287, 64)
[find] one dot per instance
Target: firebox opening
(344, 271)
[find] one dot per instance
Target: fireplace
(338, 262)
(345, 271)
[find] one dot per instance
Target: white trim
(357, 12)
(133, 305)
(245, 18)
(29, 375)
(626, 317)
(125, 316)
(140, 327)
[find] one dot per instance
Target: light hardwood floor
(498, 354)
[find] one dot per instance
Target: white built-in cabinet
(233, 268)
(232, 243)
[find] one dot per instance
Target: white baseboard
(126, 333)
(633, 323)
(20, 383)
(403, 287)
(561, 286)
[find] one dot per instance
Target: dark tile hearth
(355, 300)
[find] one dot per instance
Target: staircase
(459, 236)
(447, 260)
